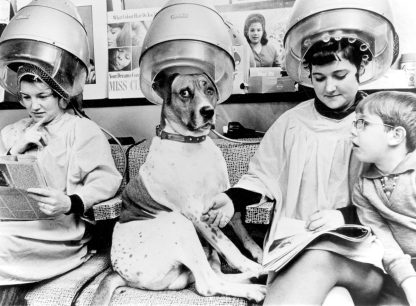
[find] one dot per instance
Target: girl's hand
(33, 136)
(52, 202)
(220, 212)
(325, 219)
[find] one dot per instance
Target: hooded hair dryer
(368, 22)
(187, 37)
(50, 35)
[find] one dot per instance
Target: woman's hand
(33, 136)
(325, 219)
(220, 212)
(52, 202)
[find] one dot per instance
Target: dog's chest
(181, 173)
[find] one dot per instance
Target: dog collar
(180, 138)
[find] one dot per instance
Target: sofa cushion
(237, 157)
(61, 290)
(132, 296)
(119, 156)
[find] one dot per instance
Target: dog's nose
(207, 112)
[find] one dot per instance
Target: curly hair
(322, 53)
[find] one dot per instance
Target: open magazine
(17, 174)
(291, 238)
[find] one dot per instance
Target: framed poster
(126, 30)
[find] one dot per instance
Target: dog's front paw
(256, 293)
(254, 268)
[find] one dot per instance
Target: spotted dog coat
(155, 244)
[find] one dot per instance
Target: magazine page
(15, 178)
(126, 30)
(291, 238)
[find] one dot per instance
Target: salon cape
(77, 160)
(305, 163)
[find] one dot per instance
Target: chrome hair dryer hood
(186, 37)
(50, 35)
(366, 21)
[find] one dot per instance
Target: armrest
(109, 209)
(260, 213)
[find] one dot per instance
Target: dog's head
(189, 102)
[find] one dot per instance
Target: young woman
(120, 59)
(305, 163)
(265, 55)
(119, 35)
(66, 148)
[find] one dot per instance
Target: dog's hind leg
(106, 288)
(242, 234)
(182, 281)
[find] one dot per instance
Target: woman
(120, 59)
(305, 163)
(119, 35)
(265, 55)
(75, 157)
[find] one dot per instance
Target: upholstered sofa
(78, 286)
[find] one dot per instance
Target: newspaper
(291, 238)
(17, 174)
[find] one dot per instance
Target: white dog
(158, 248)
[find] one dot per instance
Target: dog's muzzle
(207, 112)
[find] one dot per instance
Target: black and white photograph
(208, 152)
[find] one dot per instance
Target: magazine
(291, 238)
(17, 174)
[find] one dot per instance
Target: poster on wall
(93, 14)
(6, 12)
(122, 77)
(126, 30)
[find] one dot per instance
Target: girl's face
(335, 83)
(39, 101)
(370, 138)
(122, 59)
(255, 32)
(112, 33)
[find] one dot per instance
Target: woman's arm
(262, 174)
(92, 167)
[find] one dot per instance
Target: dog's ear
(163, 84)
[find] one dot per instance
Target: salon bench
(77, 287)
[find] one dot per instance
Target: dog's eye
(210, 91)
(185, 93)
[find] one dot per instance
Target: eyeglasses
(360, 124)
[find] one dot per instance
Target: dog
(160, 248)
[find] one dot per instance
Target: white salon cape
(305, 163)
(77, 160)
